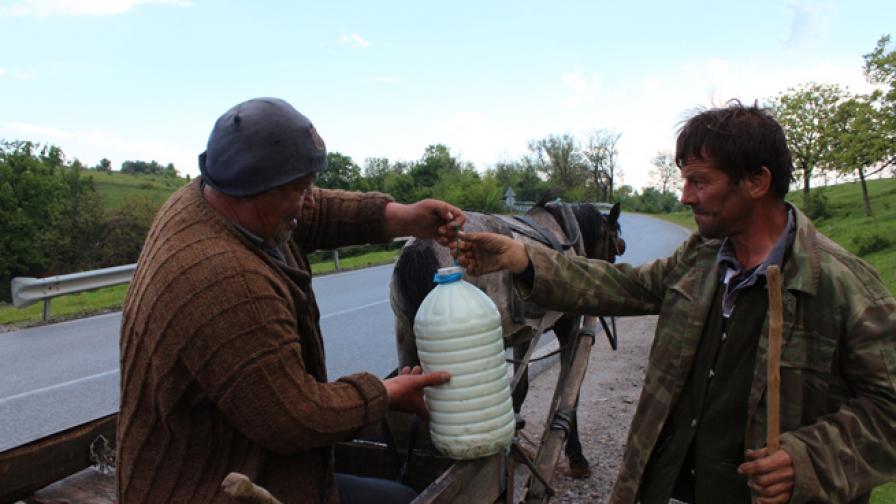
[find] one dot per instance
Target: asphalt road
(61, 375)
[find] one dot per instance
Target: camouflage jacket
(838, 364)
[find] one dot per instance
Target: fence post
(47, 309)
(336, 258)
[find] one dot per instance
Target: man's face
(279, 210)
(720, 208)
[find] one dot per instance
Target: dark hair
(738, 140)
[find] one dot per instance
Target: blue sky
(146, 79)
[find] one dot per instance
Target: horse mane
(590, 220)
(413, 275)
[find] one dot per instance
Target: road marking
(57, 386)
(362, 307)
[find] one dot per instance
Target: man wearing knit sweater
(222, 360)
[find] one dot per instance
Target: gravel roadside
(607, 403)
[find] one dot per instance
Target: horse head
(601, 233)
(613, 242)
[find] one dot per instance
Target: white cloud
(811, 21)
(472, 136)
(584, 88)
(48, 8)
(2, 71)
(91, 145)
(389, 80)
(354, 40)
(648, 109)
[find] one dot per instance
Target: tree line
(833, 133)
(52, 220)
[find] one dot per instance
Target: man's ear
(759, 184)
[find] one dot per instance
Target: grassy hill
(116, 187)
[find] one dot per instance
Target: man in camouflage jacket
(838, 364)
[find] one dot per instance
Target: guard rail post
(28, 290)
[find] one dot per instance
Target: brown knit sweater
(222, 362)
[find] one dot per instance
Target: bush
(869, 242)
(353, 251)
(817, 207)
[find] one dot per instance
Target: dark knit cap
(258, 145)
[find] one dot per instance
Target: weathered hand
(405, 391)
(771, 477)
(482, 253)
(427, 219)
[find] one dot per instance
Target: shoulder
(697, 251)
(192, 252)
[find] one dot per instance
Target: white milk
(458, 330)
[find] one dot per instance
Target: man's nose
(687, 196)
(309, 199)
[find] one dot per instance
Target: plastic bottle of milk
(458, 329)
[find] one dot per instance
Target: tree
(807, 115)
(149, 168)
(436, 162)
(341, 173)
(666, 176)
(600, 152)
(522, 177)
(31, 199)
(126, 229)
(375, 173)
(104, 165)
(880, 68)
(557, 156)
(72, 242)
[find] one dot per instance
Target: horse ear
(614, 213)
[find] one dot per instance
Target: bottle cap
(448, 275)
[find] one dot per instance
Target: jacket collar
(802, 270)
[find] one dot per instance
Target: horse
(573, 229)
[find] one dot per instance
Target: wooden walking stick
(240, 488)
(773, 395)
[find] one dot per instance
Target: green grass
(65, 307)
(357, 262)
(115, 188)
(684, 218)
(848, 221)
(884, 494)
(111, 298)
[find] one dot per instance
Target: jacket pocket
(804, 349)
(807, 364)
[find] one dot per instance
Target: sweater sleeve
(247, 359)
(341, 218)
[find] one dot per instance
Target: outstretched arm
(483, 253)
(428, 219)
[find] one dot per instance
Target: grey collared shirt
(733, 276)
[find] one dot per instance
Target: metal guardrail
(28, 290)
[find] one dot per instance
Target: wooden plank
(35, 465)
(564, 399)
(89, 486)
(468, 481)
